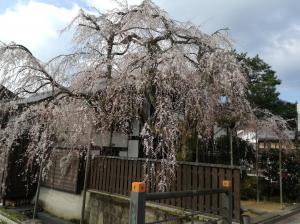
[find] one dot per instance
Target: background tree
(290, 176)
(243, 152)
(279, 117)
(291, 179)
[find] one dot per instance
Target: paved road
(294, 219)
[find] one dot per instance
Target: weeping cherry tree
(132, 63)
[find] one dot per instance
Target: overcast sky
(270, 28)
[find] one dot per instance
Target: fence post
(227, 201)
(137, 203)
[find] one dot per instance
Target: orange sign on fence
(138, 187)
(226, 183)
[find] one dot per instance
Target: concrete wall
(61, 204)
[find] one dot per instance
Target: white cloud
(104, 5)
(36, 25)
(283, 49)
(283, 53)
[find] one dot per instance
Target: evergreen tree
(263, 91)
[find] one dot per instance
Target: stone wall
(105, 208)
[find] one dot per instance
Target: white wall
(133, 148)
(103, 139)
(219, 132)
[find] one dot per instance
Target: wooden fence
(66, 172)
(115, 175)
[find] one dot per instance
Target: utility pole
(280, 174)
(38, 189)
(298, 128)
(197, 149)
(256, 166)
(86, 175)
(231, 147)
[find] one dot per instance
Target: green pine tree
(263, 91)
